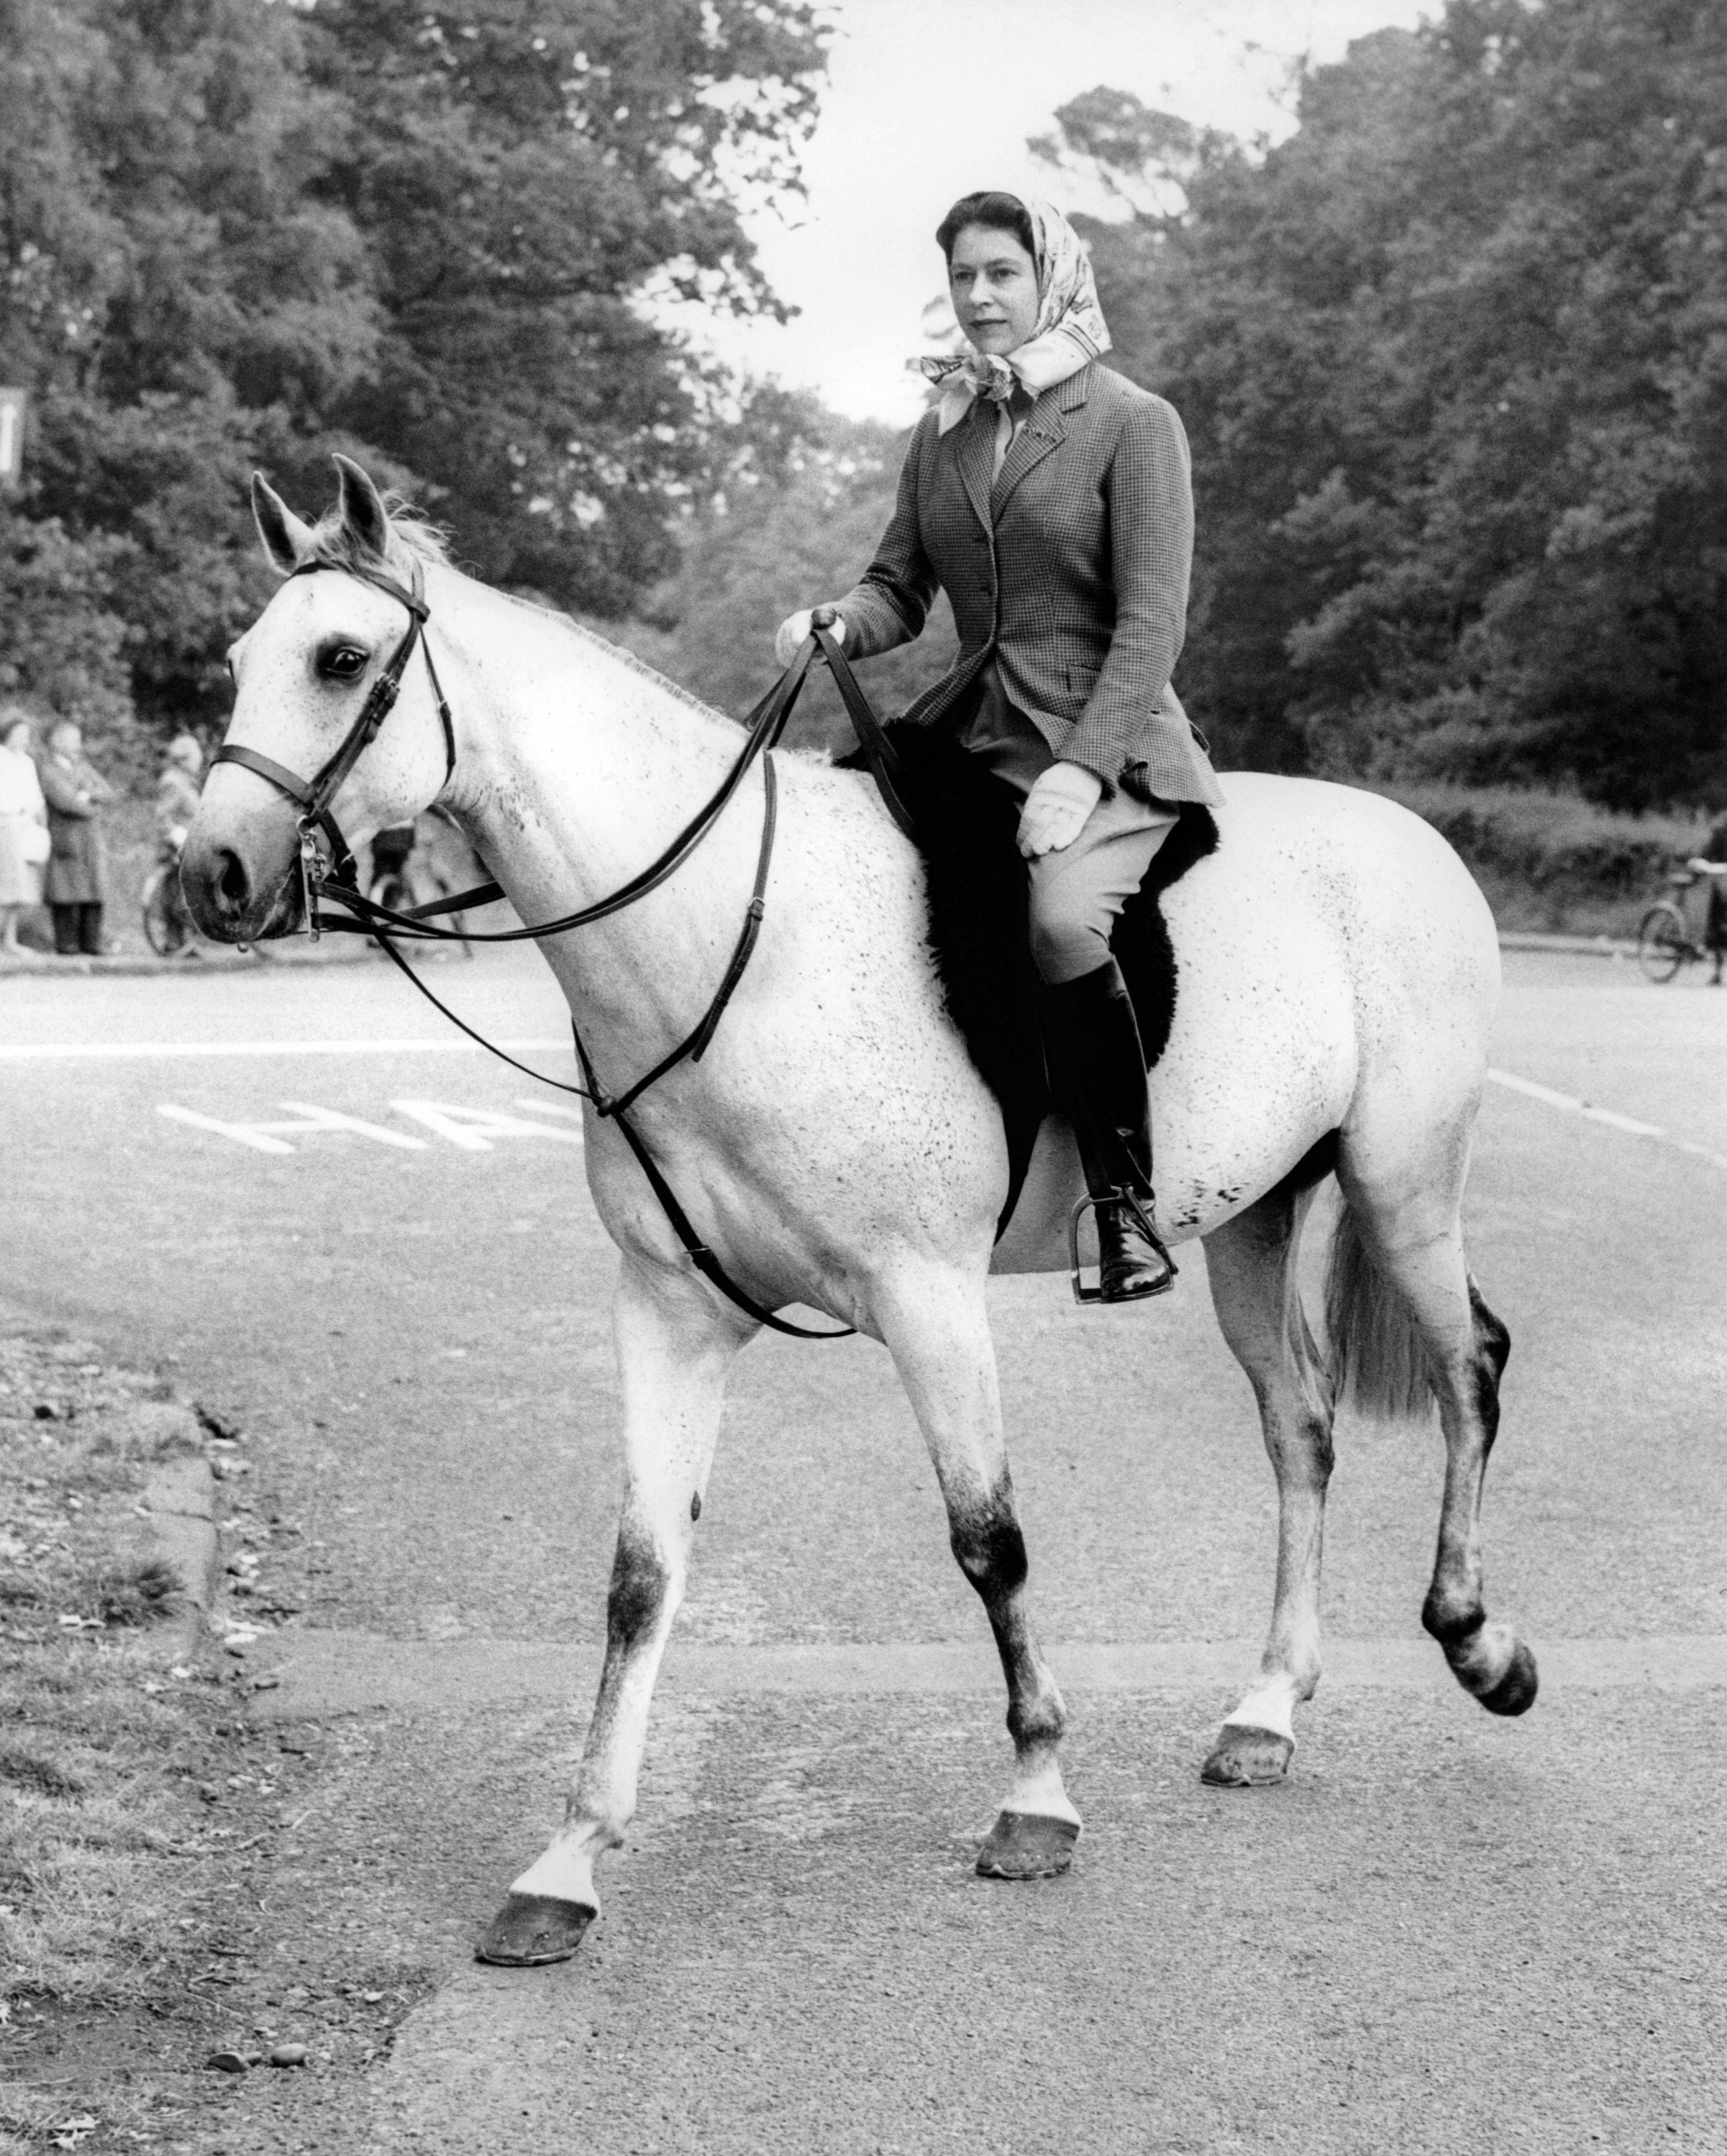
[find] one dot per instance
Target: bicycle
(1664, 940)
(405, 874)
(168, 928)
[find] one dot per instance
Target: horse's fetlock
(1453, 1620)
(1038, 1724)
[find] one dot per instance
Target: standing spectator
(77, 866)
(1713, 865)
(177, 793)
(23, 829)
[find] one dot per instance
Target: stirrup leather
(1088, 1203)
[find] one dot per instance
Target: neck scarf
(1069, 332)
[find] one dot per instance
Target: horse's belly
(1223, 1133)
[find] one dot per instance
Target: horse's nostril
(232, 882)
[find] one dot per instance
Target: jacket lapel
(1043, 432)
(974, 441)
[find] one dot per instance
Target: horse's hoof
(533, 1928)
(1516, 1691)
(1244, 1758)
(1027, 1846)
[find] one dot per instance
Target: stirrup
(1088, 1203)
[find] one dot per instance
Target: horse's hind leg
(1252, 1264)
(1467, 1351)
(675, 1348)
(938, 1333)
(1454, 1348)
(1487, 1659)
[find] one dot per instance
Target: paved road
(1443, 1926)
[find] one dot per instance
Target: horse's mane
(336, 547)
(618, 651)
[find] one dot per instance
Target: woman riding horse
(1050, 499)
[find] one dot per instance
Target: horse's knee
(991, 1549)
(1299, 1446)
(641, 1585)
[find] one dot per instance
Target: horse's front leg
(937, 1331)
(675, 1348)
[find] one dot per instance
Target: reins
(338, 881)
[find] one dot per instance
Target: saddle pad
(980, 933)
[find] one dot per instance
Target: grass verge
(168, 1872)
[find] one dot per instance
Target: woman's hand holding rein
(788, 642)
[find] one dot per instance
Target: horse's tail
(1378, 1361)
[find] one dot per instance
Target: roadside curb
(180, 1502)
(320, 1673)
(1588, 946)
(48, 965)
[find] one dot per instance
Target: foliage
(61, 649)
(234, 234)
(777, 540)
(1550, 860)
(1453, 363)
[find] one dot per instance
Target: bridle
(315, 794)
(336, 879)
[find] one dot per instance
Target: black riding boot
(1097, 1072)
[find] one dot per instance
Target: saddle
(965, 818)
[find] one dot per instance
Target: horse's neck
(575, 769)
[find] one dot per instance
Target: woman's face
(994, 284)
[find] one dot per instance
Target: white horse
(837, 1147)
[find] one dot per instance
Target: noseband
(364, 916)
(314, 795)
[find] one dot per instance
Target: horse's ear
(286, 540)
(364, 516)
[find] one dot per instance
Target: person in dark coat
(1051, 499)
(77, 881)
(1713, 863)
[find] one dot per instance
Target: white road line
(475, 1129)
(146, 1051)
(542, 1106)
(1611, 1116)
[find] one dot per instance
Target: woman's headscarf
(1069, 331)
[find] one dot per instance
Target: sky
(927, 100)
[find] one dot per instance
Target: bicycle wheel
(1663, 943)
(166, 929)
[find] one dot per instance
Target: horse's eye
(342, 662)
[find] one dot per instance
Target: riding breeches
(1077, 893)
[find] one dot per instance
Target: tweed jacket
(1070, 571)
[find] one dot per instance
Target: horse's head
(302, 673)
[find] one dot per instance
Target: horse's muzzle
(241, 876)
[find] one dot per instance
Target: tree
(1452, 363)
(801, 525)
(527, 171)
(237, 233)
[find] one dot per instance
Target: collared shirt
(1010, 418)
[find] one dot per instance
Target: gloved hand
(793, 629)
(1056, 808)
